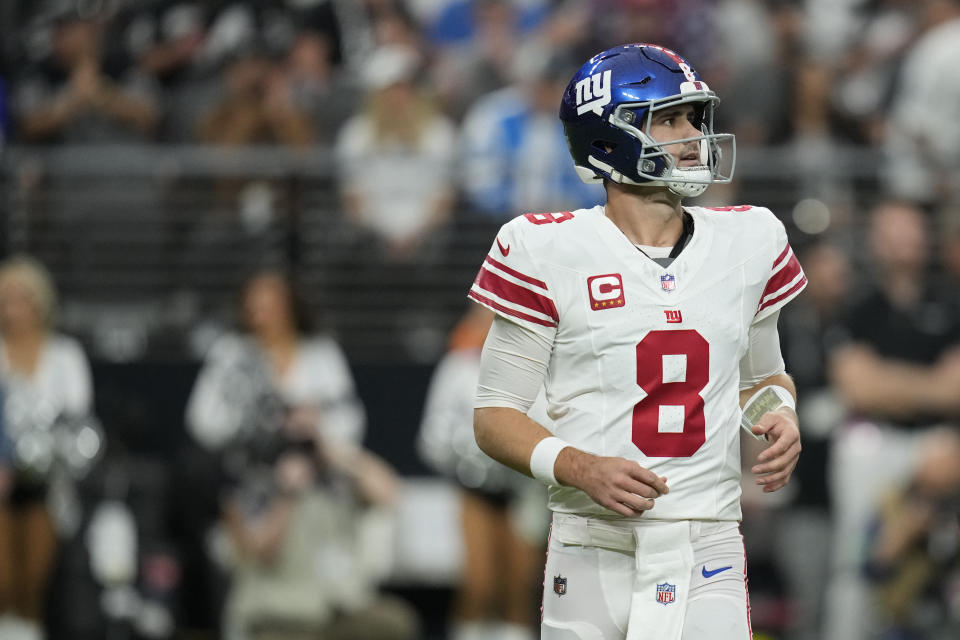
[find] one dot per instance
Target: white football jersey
(645, 361)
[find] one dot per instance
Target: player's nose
(689, 130)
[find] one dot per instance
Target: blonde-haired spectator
(396, 157)
(39, 368)
(396, 181)
(33, 355)
(36, 281)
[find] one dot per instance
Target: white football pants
(648, 580)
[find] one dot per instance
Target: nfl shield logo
(559, 585)
(668, 282)
(666, 593)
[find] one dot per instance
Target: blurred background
(236, 356)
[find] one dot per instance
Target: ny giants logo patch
(559, 585)
(666, 593)
(593, 93)
(673, 315)
(606, 291)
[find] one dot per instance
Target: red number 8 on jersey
(673, 367)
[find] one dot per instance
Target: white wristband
(544, 457)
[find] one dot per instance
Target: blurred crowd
(434, 112)
(459, 89)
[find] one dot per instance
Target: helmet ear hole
(699, 112)
(605, 146)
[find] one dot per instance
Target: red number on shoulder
(739, 208)
(548, 218)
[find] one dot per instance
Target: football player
(653, 327)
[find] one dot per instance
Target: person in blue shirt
(514, 150)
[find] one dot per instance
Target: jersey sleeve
(512, 284)
(786, 278)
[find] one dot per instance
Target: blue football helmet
(607, 110)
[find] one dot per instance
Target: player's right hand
(618, 484)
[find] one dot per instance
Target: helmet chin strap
(695, 179)
(685, 189)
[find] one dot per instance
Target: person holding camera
(310, 531)
(306, 509)
(914, 546)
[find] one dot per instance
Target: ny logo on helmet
(593, 93)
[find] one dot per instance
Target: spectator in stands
(898, 373)
(788, 536)
(46, 374)
(392, 25)
(478, 43)
(185, 44)
(914, 550)
(169, 39)
(276, 363)
(278, 355)
(923, 134)
(277, 403)
(169, 42)
(80, 100)
(78, 95)
(503, 514)
(395, 158)
(758, 40)
(514, 148)
(318, 87)
(396, 179)
(310, 524)
(864, 83)
(802, 534)
(813, 138)
(257, 106)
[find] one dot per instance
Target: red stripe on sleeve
(516, 294)
(516, 274)
(781, 256)
(507, 310)
(786, 294)
(783, 277)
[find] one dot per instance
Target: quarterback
(652, 327)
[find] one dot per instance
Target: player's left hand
(777, 462)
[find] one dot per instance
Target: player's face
(675, 123)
